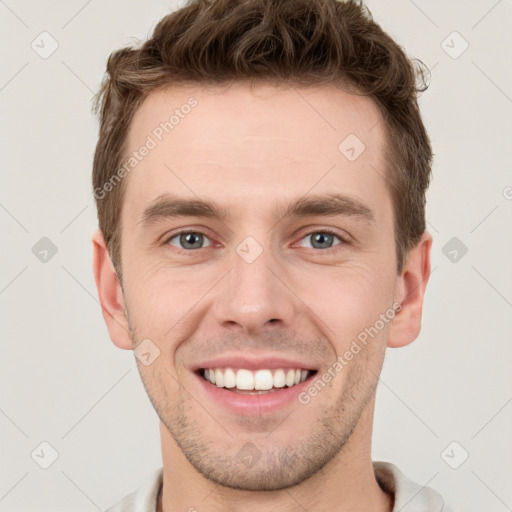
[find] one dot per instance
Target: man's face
(257, 289)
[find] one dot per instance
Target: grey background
(63, 382)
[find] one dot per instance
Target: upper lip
(252, 363)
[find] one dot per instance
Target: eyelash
(309, 233)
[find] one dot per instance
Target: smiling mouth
(256, 382)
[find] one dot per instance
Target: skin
(252, 152)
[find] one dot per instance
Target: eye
(322, 239)
(188, 240)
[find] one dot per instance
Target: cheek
(160, 298)
(348, 299)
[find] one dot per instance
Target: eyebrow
(168, 206)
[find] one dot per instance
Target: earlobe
(410, 291)
(110, 294)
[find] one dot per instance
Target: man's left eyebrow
(329, 205)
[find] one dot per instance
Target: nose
(254, 297)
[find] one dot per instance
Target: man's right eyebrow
(168, 206)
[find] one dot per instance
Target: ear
(409, 292)
(110, 294)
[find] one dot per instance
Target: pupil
(322, 238)
(188, 238)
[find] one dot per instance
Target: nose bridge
(252, 296)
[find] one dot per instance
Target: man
(260, 179)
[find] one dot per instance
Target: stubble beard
(276, 467)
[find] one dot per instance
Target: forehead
(256, 146)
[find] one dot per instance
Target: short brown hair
(294, 42)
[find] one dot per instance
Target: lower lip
(253, 405)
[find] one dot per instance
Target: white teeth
(261, 380)
(219, 378)
(244, 379)
(290, 378)
(279, 381)
(229, 378)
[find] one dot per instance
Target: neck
(346, 483)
